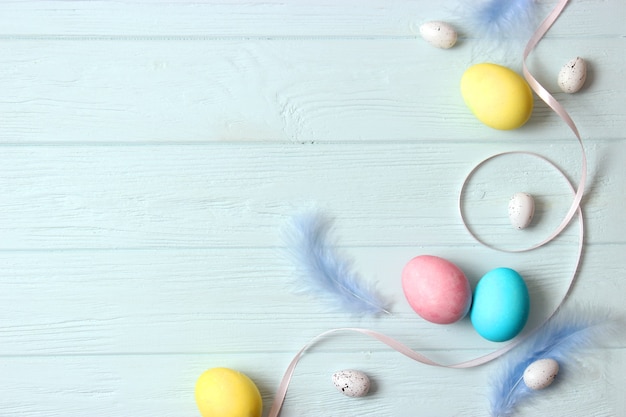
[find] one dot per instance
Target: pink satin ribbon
(573, 210)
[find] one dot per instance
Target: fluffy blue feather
(499, 19)
(559, 339)
(321, 270)
(499, 29)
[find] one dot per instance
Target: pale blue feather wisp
(504, 18)
(561, 339)
(322, 273)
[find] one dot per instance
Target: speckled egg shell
(439, 34)
(351, 383)
(521, 210)
(573, 75)
(541, 373)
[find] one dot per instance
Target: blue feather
(321, 270)
(559, 339)
(500, 19)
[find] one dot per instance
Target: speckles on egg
(521, 210)
(573, 75)
(541, 373)
(439, 34)
(351, 383)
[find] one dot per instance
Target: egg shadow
(590, 78)
(540, 211)
(460, 39)
(268, 394)
(374, 386)
(540, 302)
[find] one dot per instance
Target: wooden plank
(226, 196)
(284, 90)
(274, 18)
(241, 301)
(142, 386)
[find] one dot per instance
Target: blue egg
(501, 305)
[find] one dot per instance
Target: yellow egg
(498, 96)
(223, 392)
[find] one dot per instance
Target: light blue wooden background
(150, 153)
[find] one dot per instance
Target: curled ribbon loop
(573, 210)
(558, 109)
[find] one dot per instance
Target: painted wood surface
(151, 152)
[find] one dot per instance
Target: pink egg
(436, 289)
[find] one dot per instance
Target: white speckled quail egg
(573, 75)
(521, 210)
(439, 34)
(351, 383)
(541, 373)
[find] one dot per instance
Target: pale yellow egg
(498, 96)
(223, 392)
